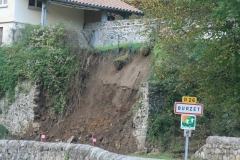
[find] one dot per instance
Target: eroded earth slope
(104, 107)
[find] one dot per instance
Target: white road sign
(188, 108)
(187, 133)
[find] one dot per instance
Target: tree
(197, 52)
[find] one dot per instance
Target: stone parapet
(219, 148)
(33, 150)
(116, 32)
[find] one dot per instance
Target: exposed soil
(105, 107)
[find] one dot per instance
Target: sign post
(187, 134)
(186, 148)
(188, 109)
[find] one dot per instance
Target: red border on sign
(197, 104)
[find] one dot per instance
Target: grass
(119, 62)
(164, 156)
(122, 58)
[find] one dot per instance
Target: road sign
(188, 122)
(187, 99)
(188, 108)
(187, 133)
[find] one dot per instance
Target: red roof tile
(108, 4)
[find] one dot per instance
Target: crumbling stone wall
(120, 31)
(19, 115)
(53, 151)
(140, 119)
(219, 148)
(151, 101)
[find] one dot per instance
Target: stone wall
(220, 148)
(140, 119)
(151, 101)
(17, 117)
(120, 31)
(33, 150)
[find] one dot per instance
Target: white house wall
(6, 12)
(7, 32)
(24, 15)
(17, 13)
(6, 19)
(56, 13)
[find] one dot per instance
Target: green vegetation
(122, 58)
(120, 61)
(48, 55)
(67, 156)
(196, 53)
(136, 107)
(3, 132)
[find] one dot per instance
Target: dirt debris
(105, 107)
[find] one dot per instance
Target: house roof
(115, 5)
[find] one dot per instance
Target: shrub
(121, 61)
(50, 55)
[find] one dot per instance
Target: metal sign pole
(186, 149)
(187, 134)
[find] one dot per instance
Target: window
(1, 34)
(34, 4)
(3, 2)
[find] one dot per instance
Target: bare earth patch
(105, 107)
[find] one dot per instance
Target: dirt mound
(105, 107)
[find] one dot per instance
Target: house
(14, 13)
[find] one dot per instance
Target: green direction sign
(188, 122)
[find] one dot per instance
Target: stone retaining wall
(140, 119)
(19, 115)
(150, 102)
(33, 150)
(113, 32)
(220, 148)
